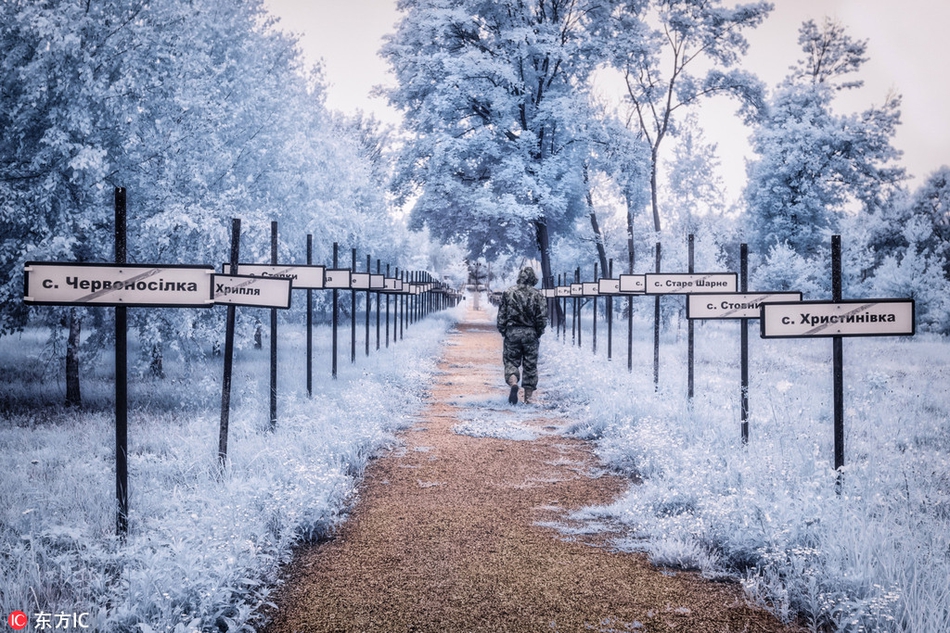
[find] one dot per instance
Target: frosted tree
(695, 186)
(932, 203)
(495, 102)
(65, 120)
(675, 53)
(203, 112)
(905, 249)
(815, 164)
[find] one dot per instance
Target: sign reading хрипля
(259, 292)
(132, 285)
(856, 317)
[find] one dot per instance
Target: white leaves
(90, 159)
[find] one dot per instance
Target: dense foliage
(203, 111)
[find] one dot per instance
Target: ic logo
(18, 620)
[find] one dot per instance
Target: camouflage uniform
(522, 317)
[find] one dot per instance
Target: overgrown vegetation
(873, 558)
(205, 546)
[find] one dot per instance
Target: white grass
(204, 549)
(874, 558)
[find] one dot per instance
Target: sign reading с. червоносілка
(131, 285)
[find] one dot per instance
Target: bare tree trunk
(598, 236)
(73, 395)
(544, 246)
(630, 243)
(156, 366)
(654, 202)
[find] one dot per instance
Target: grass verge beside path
(875, 557)
(203, 550)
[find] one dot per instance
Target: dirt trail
(448, 534)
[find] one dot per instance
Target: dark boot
(513, 396)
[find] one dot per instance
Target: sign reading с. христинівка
(131, 285)
(863, 317)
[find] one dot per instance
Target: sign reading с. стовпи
(733, 305)
(131, 285)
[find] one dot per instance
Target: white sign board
(563, 291)
(337, 278)
(302, 277)
(359, 281)
(260, 292)
(589, 289)
(864, 317)
(393, 284)
(377, 282)
(577, 290)
(733, 305)
(608, 287)
(118, 285)
(633, 284)
(687, 283)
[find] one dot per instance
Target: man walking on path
(522, 317)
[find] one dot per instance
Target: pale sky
(906, 50)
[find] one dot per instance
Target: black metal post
(594, 312)
(336, 306)
(630, 323)
(369, 303)
(744, 346)
(690, 350)
(353, 311)
(228, 351)
(379, 299)
(121, 379)
(656, 328)
(610, 314)
(413, 299)
(559, 324)
(273, 335)
(387, 310)
(838, 361)
(578, 308)
(396, 300)
(309, 321)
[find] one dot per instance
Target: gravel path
(451, 532)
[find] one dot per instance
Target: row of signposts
(123, 285)
(725, 295)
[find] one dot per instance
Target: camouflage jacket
(522, 306)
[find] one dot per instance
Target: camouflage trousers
(521, 350)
